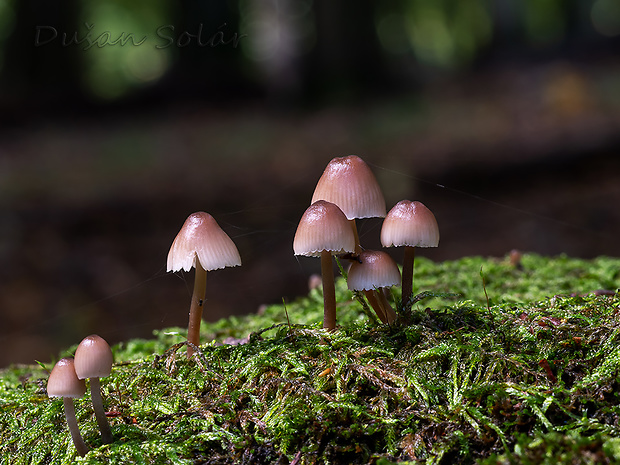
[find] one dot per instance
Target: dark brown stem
(195, 309)
(102, 421)
(407, 277)
(79, 443)
(329, 291)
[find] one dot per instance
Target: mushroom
(322, 231)
(202, 244)
(93, 359)
(374, 272)
(349, 183)
(409, 224)
(63, 382)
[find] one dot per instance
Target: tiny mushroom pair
(93, 359)
(348, 190)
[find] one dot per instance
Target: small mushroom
(349, 183)
(93, 359)
(374, 272)
(409, 224)
(322, 231)
(202, 244)
(63, 382)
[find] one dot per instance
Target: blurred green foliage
(277, 43)
(118, 61)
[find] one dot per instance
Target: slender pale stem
(195, 309)
(102, 421)
(358, 247)
(329, 291)
(79, 443)
(407, 277)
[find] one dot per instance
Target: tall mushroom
(202, 244)
(373, 272)
(63, 382)
(349, 183)
(409, 224)
(93, 359)
(322, 231)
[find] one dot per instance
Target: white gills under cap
(201, 237)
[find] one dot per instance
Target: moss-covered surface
(530, 376)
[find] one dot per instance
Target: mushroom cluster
(346, 191)
(348, 185)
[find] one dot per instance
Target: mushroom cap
(410, 224)
(93, 358)
(203, 238)
(323, 227)
(63, 381)
(349, 183)
(374, 269)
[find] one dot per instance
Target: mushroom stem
(79, 443)
(390, 315)
(102, 421)
(407, 282)
(195, 309)
(358, 247)
(329, 291)
(376, 306)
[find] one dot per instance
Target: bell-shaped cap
(93, 358)
(63, 381)
(349, 183)
(201, 237)
(375, 269)
(410, 224)
(323, 227)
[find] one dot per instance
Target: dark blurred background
(118, 119)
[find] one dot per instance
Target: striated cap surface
(410, 224)
(349, 183)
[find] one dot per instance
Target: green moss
(531, 377)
